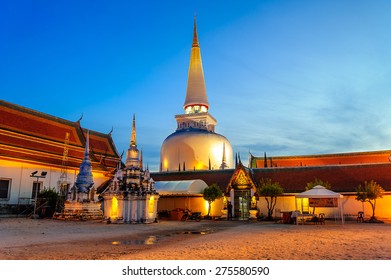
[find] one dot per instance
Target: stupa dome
(195, 149)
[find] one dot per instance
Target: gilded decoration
(241, 181)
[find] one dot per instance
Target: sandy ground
(29, 239)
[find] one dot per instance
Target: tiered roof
(34, 137)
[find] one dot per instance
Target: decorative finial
(195, 35)
(265, 161)
(133, 137)
(111, 131)
(78, 121)
(223, 161)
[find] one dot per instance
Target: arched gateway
(241, 192)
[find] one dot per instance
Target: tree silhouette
(211, 193)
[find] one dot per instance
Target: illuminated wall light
(114, 208)
(200, 165)
(151, 205)
(253, 202)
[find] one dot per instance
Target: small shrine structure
(130, 196)
(82, 201)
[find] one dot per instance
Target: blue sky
(282, 77)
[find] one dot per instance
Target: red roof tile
(31, 136)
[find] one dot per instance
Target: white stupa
(195, 145)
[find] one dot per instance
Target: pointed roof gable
(241, 179)
(196, 89)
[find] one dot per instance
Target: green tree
(370, 192)
(270, 190)
(317, 182)
(50, 197)
(211, 193)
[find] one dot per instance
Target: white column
(134, 209)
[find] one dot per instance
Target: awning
(319, 192)
(185, 187)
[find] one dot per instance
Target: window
(5, 185)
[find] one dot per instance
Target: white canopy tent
(326, 197)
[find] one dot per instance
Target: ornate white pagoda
(130, 196)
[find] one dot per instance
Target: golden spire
(132, 155)
(196, 89)
(195, 36)
(133, 137)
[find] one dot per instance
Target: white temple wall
(131, 209)
(382, 210)
(194, 203)
(120, 210)
(21, 184)
(351, 206)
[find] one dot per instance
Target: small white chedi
(130, 196)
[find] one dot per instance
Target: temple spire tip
(195, 35)
(133, 137)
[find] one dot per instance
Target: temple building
(130, 197)
(195, 145)
(32, 143)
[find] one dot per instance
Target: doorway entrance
(242, 200)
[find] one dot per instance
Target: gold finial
(133, 137)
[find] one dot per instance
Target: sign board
(323, 202)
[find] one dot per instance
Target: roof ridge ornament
(81, 117)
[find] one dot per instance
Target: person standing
(229, 206)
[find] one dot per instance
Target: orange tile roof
(31, 136)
